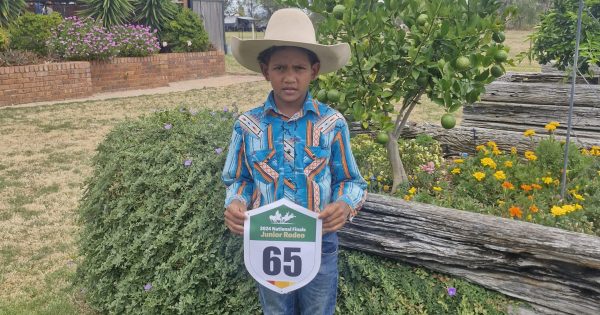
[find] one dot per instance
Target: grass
(46, 156)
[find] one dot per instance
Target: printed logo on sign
(278, 219)
(293, 225)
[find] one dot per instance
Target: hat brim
(331, 57)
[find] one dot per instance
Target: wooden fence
(556, 271)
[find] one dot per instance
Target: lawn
(46, 156)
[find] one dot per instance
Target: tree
(401, 50)
(110, 12)
(554, 39)
(155, 13)
(10, 10)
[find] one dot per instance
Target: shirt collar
(310, 105)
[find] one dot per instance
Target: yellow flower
(500, 175)
(380, 178)
(568, 208)
(501, 203)
(495, 151)
(481, 147)
(488, 162)
(386, 187)
(551, 126)
(547, 180)
(407, 197)
(585, 151)
(557, 211)
(529, 217)
(492, 144)
(479, 175)
(529, 133)
(412, 190)
(513, 150)
(578, 196)
(530, 155)
(455, 170)
(556, 182)
(436, 188)
(459, 161)
(508, 164)
(578, 206)
(598, 173)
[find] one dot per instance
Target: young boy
(296, 148)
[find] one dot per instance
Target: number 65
(272, 262)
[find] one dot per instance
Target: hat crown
(290, 25)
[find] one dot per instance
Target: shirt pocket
(263, 166)
(315, 161)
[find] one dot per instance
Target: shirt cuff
(348, 201)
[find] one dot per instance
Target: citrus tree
(554, 39)
(402, 50)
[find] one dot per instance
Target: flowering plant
(135, 40)
(82, 39)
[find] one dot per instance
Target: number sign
(282, 245)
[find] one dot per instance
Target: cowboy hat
(290, 27)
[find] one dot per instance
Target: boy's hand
(235, 216)
(334, 216)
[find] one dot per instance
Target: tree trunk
(398, 171)
(557, 271)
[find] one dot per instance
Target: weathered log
(542, 93)
(465, 139)
(526, 115)
(578, 136)
(557, 270)
(548, 77)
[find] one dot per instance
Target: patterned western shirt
(306, 158)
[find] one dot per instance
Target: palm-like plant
(110, 12)
(10, 10)
(155, 13)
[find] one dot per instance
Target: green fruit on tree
(422, 19)
(333, 95)
(496, 71)
(382, 138)
(338, 11)
(322, 96)
(498, 37)
(463, 63)
(448, 121)
(501, 56)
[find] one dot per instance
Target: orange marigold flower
(534, 208)
(530, 197)
(515, 212)
(508, 185)
(536, 186)
(526, 187)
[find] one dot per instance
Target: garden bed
(59, 81)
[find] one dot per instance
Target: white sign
(282, 245)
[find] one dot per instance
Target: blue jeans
(316, 298)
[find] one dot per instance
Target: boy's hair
(265, 56)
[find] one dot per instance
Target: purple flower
(225, 109)
(219, 150)
(187, 163)
(451, 291)
(148, 287)
(168, 126)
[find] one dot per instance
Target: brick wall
(36, 83)
(59, 81)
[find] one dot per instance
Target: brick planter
(59, 81)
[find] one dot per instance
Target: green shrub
(4, 39)
(11, 58)
(9, 10)
(185, 33)
(31, 31)
(153, 239)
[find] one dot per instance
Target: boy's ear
(315, 70)
(264, 69)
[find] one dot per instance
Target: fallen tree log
(465, 139)
(556, 270)
(541, 93)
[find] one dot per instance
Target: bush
(11, 58)
(154, 242)
(185, 33)
(4, 40)
(135, 40)
(82, 39)
(31, 31)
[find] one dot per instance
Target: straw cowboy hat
(290, 27)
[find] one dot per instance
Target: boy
(296, 148)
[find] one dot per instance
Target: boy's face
(290, 73)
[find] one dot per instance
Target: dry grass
(46, 156)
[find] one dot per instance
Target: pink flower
(429, 168)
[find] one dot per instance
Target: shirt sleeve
(346, 182)
(236, 174)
